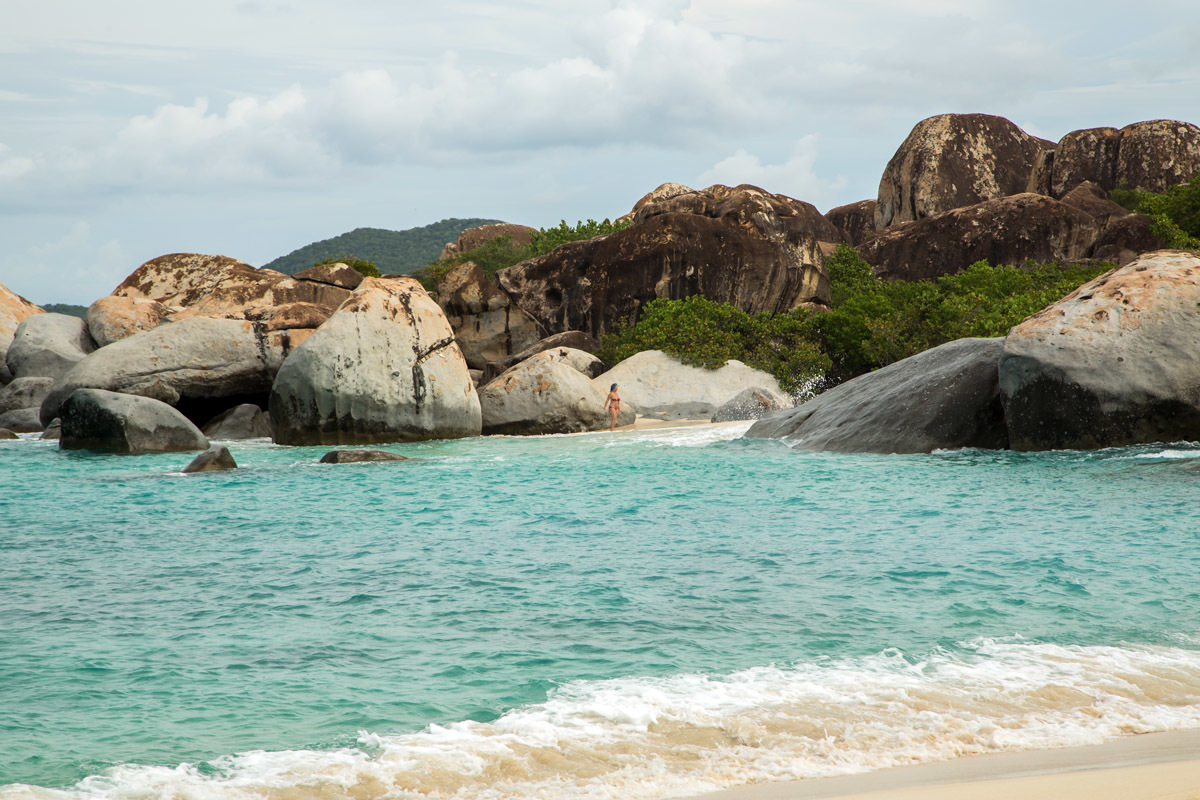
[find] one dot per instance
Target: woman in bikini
(613, 404)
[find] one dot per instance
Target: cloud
(76, 264)
(796, 176)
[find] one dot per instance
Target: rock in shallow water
(360, 456)
(94, 419)
(21, 420)
(545, 394)
(5, 433)
(215, 459)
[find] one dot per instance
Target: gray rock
(94, 419)
(21, 420)
(212, 460)
(6, 434)
(1111, 364)
(244, 421)
(194, 360)
(753, 403)
(48, 345)
(383, 368)
(577, 360)
(943, 398)
(577, 340)
(53, 431)
(24, 393)
(544, 394)
(661, 386)
(360, 456)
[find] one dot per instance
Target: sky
(249, 128)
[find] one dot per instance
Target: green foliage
(1174, 215)
(872, 322)
(399, 252)
(365, 268)
(501, 252)
(69, 309)
(706, 334)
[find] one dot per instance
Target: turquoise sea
(636, 615)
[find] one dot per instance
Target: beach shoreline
(1151, 766)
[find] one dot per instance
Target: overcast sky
(133, 128)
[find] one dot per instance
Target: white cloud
(75, 266)
(796, 176)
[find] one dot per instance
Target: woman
(613, 404)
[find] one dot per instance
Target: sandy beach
(1156, 766)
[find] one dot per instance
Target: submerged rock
(943, 398)
(94, 419)
(22, 420)
(53, 431)
(384, 368)
(6, 434)
(215, 459)
(360, 456)
(1111, 364)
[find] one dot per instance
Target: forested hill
(392, 251)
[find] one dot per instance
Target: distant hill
(392, 251)
(66, 308)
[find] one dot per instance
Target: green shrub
(366, 268)
(1174, 215)
(501, 253)
(706, 334)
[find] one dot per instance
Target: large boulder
(1152, 156)
(578, 360)
(383, 368)
(576, 340)
(943, 398)
(1009, 230)
(1092, 200)
(113, 318)
(472, 238)
(21, 420)
(202, 365)
(544, 394)
(48, 345)
(486, 323)
(245, 421)
(752, 403)
(663, 387)
(741, 246)
(338, 274)
(955, 160)
(1111, 364)
(94, 419)
(855, 221)
(24, 393)
(14, 310)
(1125, 238)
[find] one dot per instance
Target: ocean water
(631, 615)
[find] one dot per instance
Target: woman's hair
(611, 388)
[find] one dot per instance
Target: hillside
(392, 251)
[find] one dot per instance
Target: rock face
(955, 160)
(753, 403)
(245, 421)
(544, 395)
(24, 393)
(201, 365)
(360, 456)
(93, 419)
(213, 460)
(383, 368)
(855, 222)
(740, 246)
(946, 397)
(1152, 156)
(1113, 363)
(1009, 230)
(340, 275)
(487, 326)
(48, 345)
(472, 238)
(21, 420)
(660, 386)
(576, 340)
(14, 310)
(111, 319)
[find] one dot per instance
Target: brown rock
(740, 246)
(14, 309)
(1085, 155)
(290, 316)
(661, 194)
(113, 318)
(855, 222)
(472, 238)
(952, 161)
(338, 274)
(487, 326)
(1125, 239)
(1152, 156)
(1010, 230)
(577, 340)
(215, 459)
(257, 299)
(1093, 201)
